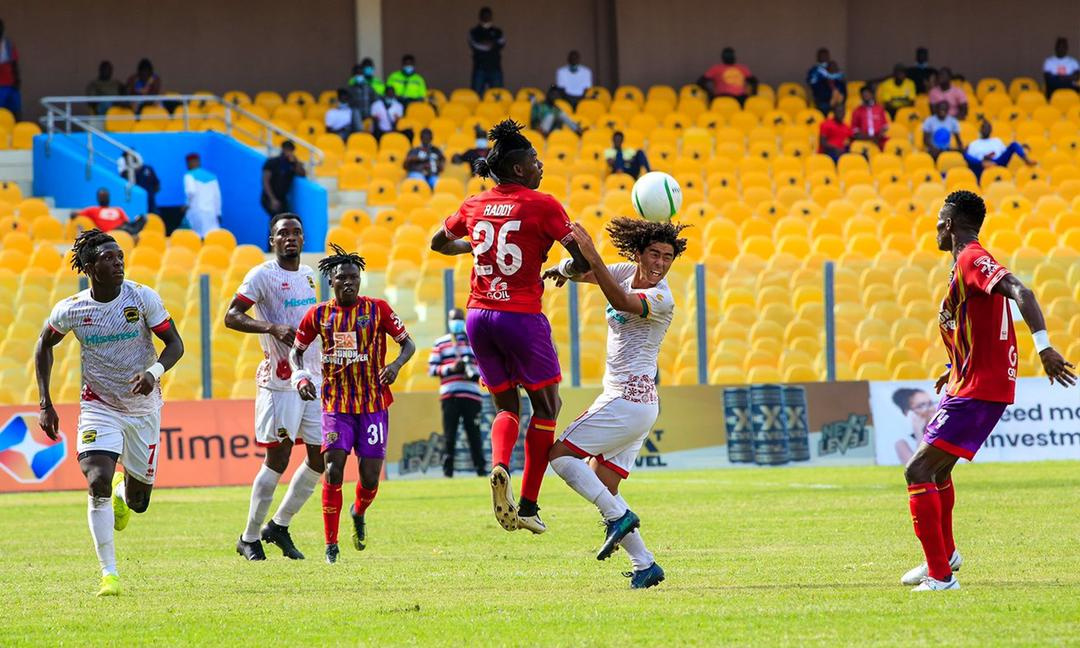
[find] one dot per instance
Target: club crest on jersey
(499, 290)
(329, 438)
(131, 314)
(311, 282)
(363, 320)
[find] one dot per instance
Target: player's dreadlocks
(85, 249)
(329, 265)
(631, 236)
(509, 144)
(968, 206)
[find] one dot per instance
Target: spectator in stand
(939, 131)
(364, 89)
(339, 119)
(104, 86)
(574, 79)
(10, 79)
(486, 41)
(834, 136)
(452, 360)
(987, 151)
(1061, 70)
(479, 150)
(106, 217)
(869, 121)
(202, 197)
(144, 82)
(408, 85)
(385, 113)
(546, 116)
(425, 162)
(826, 81)
(729, 79)
(951, 94)
(622, 159)
(897, 91)
(278, 174)
(145, 177)
(922, 74)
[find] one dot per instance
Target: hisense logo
(292, 303)
(92, 340)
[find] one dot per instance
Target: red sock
(947, 496)
(538, 441)
(504, 434)
(925, 506)
(331, 511)
(364, 498)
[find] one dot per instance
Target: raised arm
(43, 363)
(1056, 367)
(619, 299)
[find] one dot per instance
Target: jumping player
(120, 409)
(610, 433)
(511, 227)
(281, 291)
(355, 390)
(976, 325)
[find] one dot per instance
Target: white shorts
(134, 437)
(281, 415)
(612, 430)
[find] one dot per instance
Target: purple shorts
(961, 425)
(364, 434)
(513, 349)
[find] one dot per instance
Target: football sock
(538, 441)
(262, 493)
(578, 476)
(504, 434)
(640, 557)
(364, 498)
(947, 496)
(301, 486)
(99, 513)
(331, 511)
(925, 506)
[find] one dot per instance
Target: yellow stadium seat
(185, 238)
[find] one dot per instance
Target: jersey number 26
(507, 255)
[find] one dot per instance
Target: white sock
(262, 493)
(99, 514)
(300, 489)
(582, 479)
(640, 557)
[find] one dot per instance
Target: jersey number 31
(507, 255)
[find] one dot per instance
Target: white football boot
(916, 575)
(934, 585)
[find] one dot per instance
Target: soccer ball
(656, 197)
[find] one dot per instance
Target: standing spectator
(487, 42)
(144, 82)
(574, 79)
(202, 193)
(897, 91)
(546, 116)
(950, 94)
(364, 89)
(834, 136)
(277, 179)
(425, 162)
(385, 113)
(826, 82)
(145, 177)
(1061, 70)
(479, 150)
(922, 74)
(408, 85)
(987, 151)
(868, 121)
(104, 86)
(10, 80)
(452, 360)
(729, 79)
(339, 119)
(627, 160)
(939, 131)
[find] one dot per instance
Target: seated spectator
(950, 94)
(834, 136)
(106, 218)
(104, 86)
(202, 197)
(1061, 70)
(145, 177)
(339, 119)
(897, 91)
(987, 151)
(408, 85)
(922, 74)
(478, 151)
(363, 89)
(143, 83)
(278, 174)
(623, 159)
(425, 162)
(939, 131)
(574, 79)
(729, 79)
(546, 116)
(385, 113)
(868, 121)
(826, 81)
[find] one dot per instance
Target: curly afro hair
(632, 235)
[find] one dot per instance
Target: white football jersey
(633, 342)
(280, 296)
(117, 343)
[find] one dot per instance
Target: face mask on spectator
(481, 143)
(574, 68)
(408, 69)
(369, 71)
(457, 327)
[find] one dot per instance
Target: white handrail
(52, 112)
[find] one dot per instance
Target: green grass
(765, 557)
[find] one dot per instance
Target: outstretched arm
(43, 363)
(1056, 367)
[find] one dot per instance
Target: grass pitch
(791, 556)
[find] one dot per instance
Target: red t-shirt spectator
(105, 218)
(870, 120)
(835, 133)
(9, 56)
(729, 80)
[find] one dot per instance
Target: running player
(976, 325)
(281, 291)
(610, 433)
(355, 390)
(120, 410)
(511, 227)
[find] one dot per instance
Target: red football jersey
(977, 328)
(511, 229)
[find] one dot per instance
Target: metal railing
(53, 113)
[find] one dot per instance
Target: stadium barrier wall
(60, 171)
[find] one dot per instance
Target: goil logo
(26, 453)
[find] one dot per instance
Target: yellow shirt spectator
(897, 91)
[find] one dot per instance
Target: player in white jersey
(610, 433)
(281, 291)
(120, 411)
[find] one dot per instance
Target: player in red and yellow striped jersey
(355, 388)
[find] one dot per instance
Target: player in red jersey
(976, 325)
(355, 387)
(511, 228)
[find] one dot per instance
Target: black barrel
(740, 432)
(798, 427)
(770, 430)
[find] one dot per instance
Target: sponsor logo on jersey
(499, 210)
(131, 314)
(284, 285)
(986, 265)
(86, 321)
(294, 302)
(94, 340)
(27, 454)
(615, 315)
(499, 290)
(329, 438)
